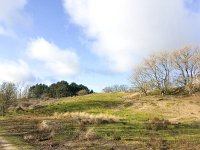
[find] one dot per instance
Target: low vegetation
(86, 118)
(11, 93)
(109, 121)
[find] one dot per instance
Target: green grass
(132, 127)
(110, 103)
(93, 103)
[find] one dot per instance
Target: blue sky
(93, 42)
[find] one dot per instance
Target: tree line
(166, 70)
(58, 90)
(10, 92)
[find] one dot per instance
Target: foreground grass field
(109, 121)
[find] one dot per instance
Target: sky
(90, 42)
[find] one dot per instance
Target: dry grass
(88, 134)
(175, 109)
(46, 125)
(150, 122)
(44, 130)
(158, 124)
(86, 118)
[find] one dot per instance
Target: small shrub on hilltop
(82, 92)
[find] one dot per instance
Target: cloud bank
(15, 71)
(49, 63)
(122, 31)
(57, 61)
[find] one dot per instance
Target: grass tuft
(86, 118)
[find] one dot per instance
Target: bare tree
(22, 90)
(116, 88)
(107, 90)
(158, 68)
(165, 68)
(124, 88)
(8, 93)
(140, 79)
(187, 62)
(25, 91)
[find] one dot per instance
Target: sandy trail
(5, 145)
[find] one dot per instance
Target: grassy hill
(109, 121)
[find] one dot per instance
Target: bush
(82, 92)
(89, 134)
(154, 92)
(48, 125)
(44, 130)
(45, 125)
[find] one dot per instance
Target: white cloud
(57, 61)
(11, 12)
(121, 31)
(3, 31)
(15, 71)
